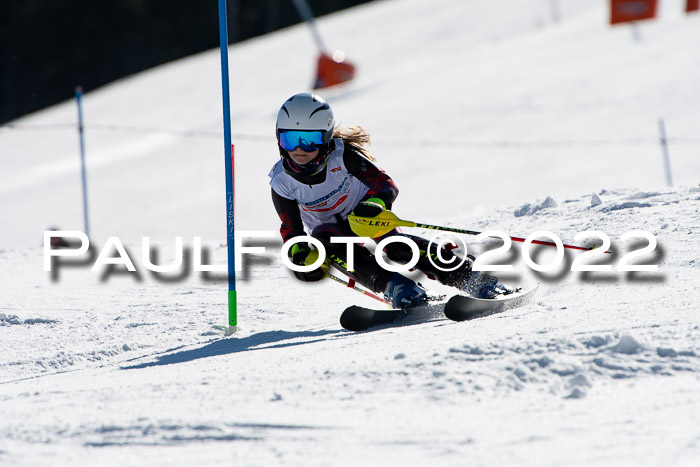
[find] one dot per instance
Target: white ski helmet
(306, 111)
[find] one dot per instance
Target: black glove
(299, 254)
(371, 207)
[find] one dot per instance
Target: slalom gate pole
(81, 127)
(228, 161)
(664, 151)
(307, 15)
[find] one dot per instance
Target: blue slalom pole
(223, 45)
(79, 99)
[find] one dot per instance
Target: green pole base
(232, 308)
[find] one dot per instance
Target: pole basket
(333, 70)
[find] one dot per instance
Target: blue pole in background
(79, 99)
(223, 45)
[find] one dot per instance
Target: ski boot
(403, 292)
(480, 285)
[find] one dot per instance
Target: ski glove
(302, 255)
(369, 208)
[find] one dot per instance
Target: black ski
(359, 318)
(457, 308)
(462, 307)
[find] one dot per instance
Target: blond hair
(356, 137)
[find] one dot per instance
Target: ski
(359, 318)
(463, 307)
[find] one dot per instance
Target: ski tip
(465, 307)
(355, 318)
(358, 318)
(454, 315)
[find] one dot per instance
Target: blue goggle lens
(308, 141)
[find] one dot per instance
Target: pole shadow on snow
(219, 347)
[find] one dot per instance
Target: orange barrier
(333, 70)
(623, 11)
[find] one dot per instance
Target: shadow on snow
(230, 346)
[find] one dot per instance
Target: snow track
(515, 123)
(150, 376)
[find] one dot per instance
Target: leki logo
(372, 222)
(335, 169)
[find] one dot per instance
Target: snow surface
(490, 116)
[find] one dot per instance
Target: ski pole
(351, 284)
(386, 221)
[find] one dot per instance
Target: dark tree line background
(47, 47)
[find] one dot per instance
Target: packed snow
(491, 116)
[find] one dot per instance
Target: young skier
(325, 174)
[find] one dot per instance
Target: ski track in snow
(292, 376)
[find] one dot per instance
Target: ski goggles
(308, 141)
